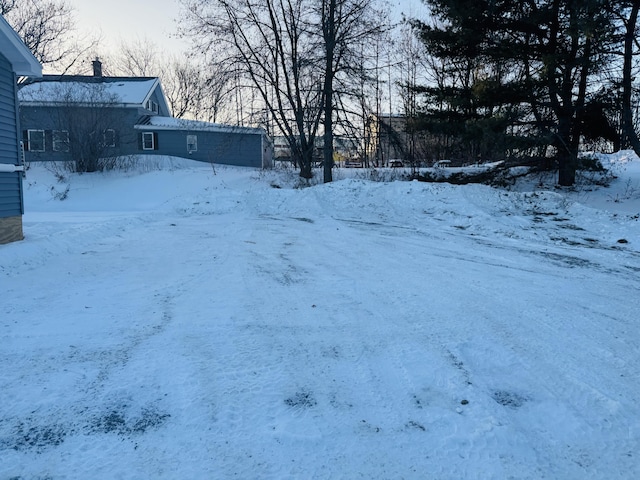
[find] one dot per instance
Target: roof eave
(162, 96)
(187, 128)
(31, 103)
(22, 60)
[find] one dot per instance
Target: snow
(171, 123)
(214, 323)
(125, 90)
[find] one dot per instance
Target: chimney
(97, 68)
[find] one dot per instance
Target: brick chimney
(97, 68)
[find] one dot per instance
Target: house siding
(227, 148)
(49, 119)
(11, 205)
(155, 97)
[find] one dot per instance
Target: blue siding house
(131, 117)
(206, 142)
(15, 61)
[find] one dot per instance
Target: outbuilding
(15, 61)
(205, 141)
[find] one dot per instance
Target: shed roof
(170, 123)
(21, 58)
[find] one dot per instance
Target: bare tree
(409, 65)
(183, 86)
(140, 58)
(293, 52)
(216, 93)
(194, 88)
(7, 5)
(86, 124)
(197, 91)
(345, 25)
(270, 44)
(47, 27)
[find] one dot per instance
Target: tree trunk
(305, 170)
(306, 163)
(629, 135)
(329, 33)
(567, 169)
(328, 145)
(567, 151)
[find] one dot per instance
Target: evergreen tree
(627, 12)
(518, 71)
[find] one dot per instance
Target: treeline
(528, 80)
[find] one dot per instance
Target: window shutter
(155, 140)
(140, 140)
(25, 140)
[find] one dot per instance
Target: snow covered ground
(186, 323)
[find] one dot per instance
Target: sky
(155, 20)
(129, 20)
(215, 323)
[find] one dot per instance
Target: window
(109, 138)
(153, 106)
(60, 141)
(36, 140)
(192, 143)
(148, 141)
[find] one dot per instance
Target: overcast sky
(129, 20)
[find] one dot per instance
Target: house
(393, 140)
(388, 139)
(282, 150)
(15, 61)
(77, 117)
(344, 148)
(204, 141)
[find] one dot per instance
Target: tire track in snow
(497, 392)
(549, 389)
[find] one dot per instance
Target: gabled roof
(170, 123)
(62, 89)
(21, 58)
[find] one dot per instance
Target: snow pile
(201, 323)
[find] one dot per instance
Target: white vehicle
(442, 164)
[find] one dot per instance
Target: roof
(170, 123)
(52, 89)
(21, 58)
